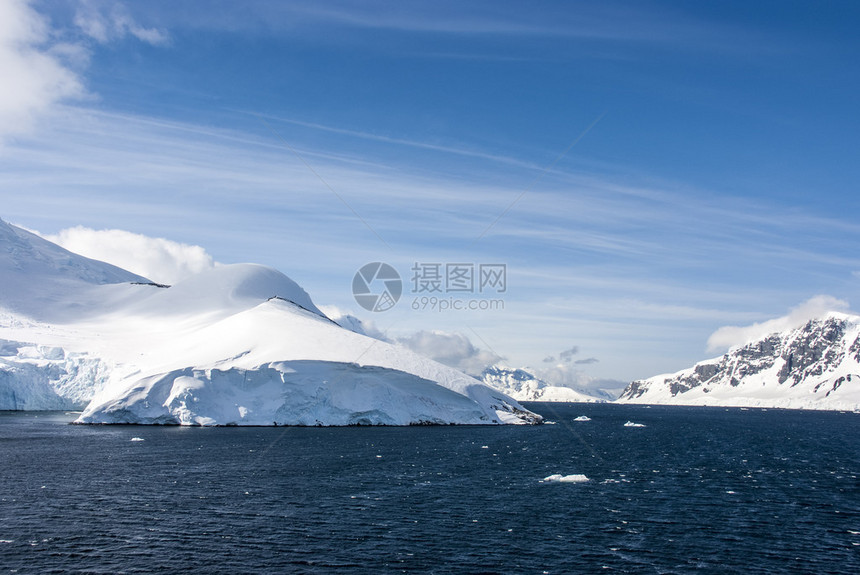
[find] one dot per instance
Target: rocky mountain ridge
(815, 366)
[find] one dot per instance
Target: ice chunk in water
(559, 478)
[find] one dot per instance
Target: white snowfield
(816, 366)
(237, 345)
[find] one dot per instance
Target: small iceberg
(137, 439)
(631, 424)
(559, 478)
(583, 418)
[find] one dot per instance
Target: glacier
(36, 377)
(239, 344)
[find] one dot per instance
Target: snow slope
(816, 366)
(239, 344)
(523, 386)
(41, 280)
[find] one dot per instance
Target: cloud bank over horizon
(161, 260)
(452, 349)
(814, 307)
(562, 369)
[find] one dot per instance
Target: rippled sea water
(694, 490)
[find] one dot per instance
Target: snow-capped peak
(238, 344)
(816, 366)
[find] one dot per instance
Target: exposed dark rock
(807, 353)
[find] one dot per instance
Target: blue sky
(711, 181)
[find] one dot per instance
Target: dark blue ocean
(702, 490)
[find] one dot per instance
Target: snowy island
(236, 345)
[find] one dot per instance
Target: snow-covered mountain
(816, 366)
(41, 280)
(239, 344)
(524, 386)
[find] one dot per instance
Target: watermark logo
(377, 286)
(459, 278)
(437, 286)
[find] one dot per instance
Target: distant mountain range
(243, 344)
(238, 344)
(525, 386)
(816, 366)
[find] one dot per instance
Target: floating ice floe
(137, 439)
(559, 478)
(631, 424)
(583, 418)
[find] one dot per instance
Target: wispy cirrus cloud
(590, 214)
(108, 20)
(395, 141)
(605, 22)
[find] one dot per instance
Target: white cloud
(562, 374)
(35, 74)
(39, 69)
(563, 371)
(161, 260)
(109, 21)
(452, 349)
(729, 336)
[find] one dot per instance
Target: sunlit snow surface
(236, 345)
